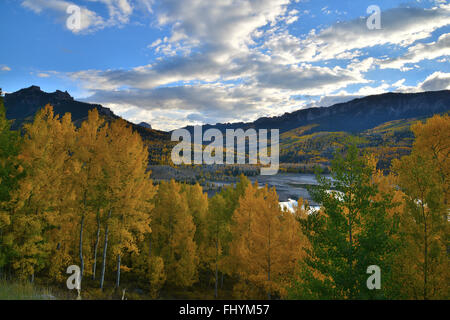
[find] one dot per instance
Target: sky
(188, 62)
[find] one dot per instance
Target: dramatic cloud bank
(239, 60)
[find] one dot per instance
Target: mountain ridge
(22, 105)
(382, 108)
(306, 136)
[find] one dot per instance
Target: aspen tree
(173, 235)
(45, 191)
(424, 178)
(265, 245)
(129, 193)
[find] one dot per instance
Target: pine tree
(351, 231)
(10, 173)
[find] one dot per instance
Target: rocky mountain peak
(145, 125)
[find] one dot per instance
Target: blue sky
(172, 63)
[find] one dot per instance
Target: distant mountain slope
(354, 116)
(145, 125)
(389, 140)
(381, 123)
(22, 105)
(308, 136)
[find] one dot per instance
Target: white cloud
(307, 79)
(399, 83)
(419, 52)
(367, 90)
(222, 27)
(436, 81)
(232, 61)
(214, 102)
(119, 12)
(400, 26)
(222, 38)
(89, 19)
(5, 68)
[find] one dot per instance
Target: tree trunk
(105, 247)
(118, 272)
(350, 254)
(97, 240)
(81, 239)
(81, 248)
(217, 270)
(268, 267)
(150, 248)
(425, 268)
(1, 244)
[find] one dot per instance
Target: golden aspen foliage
(265, 245)
(156, 275)
(45, 192)
(129, 191)
(82, 194)
(89, 150)
(231, 196)
(78, 179)
(197, 202)
(301, 212)
(173, 232)
(217, 231)
(424, 228)
(149, 271)
(423, 263)
(433, 139)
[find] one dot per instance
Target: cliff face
(356, 115)
(353, 116)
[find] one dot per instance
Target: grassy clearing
(22, 291)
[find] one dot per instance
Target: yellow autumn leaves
(83, 195)
(79, 183)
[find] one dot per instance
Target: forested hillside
(22, 106)
(81, 195)
(309, 136)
